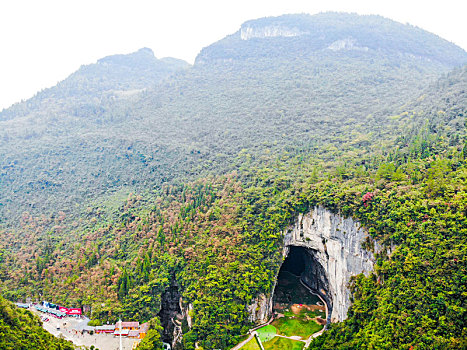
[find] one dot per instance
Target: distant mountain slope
(244, 102)
(305, 35)
(331, 127)
(84, 92)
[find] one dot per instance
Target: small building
(143, 330)
(108, 328)
(133, 334)
(22, 305)
(128, 325)
(123, 332)
(49, 311)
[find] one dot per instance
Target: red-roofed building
(133, 334)
(108, 328)
(143, 330)
(128, 325)
(124, 332)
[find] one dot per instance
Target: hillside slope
(82, 93)
(304, 35)
(220, 239)
(218, 116)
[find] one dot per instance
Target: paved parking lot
(68, 325)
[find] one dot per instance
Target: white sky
(43, 41)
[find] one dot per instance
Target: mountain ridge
(196, 119)
(110, 75)
(370, 32)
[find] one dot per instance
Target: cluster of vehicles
(44, 319)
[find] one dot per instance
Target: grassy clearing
(251, 345)
(266, 333)
(295, 326)
(278, 343)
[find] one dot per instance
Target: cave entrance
(301, 278)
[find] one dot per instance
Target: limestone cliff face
(261, 309)
(248, 32)
(334, 253)
(335, 243)
(347, 44)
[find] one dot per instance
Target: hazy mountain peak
(301, 35)
(123, 74)
(143, 55)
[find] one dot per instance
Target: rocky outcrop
(346, 44)
(332, 254)
(248, 32)
(335, 254)
(260, 309)
(170, 314)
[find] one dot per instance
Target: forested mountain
(310, 95)
(54, 141)
(303, 35)
(287, 113)
(93, 85)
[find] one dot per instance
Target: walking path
(307, 342)
(238, 346)
(317, 334)
(255, 333)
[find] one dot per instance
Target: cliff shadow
(300, 280)
(170, 314)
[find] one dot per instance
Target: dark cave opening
(170, 313)
(301, 272)
(295, 261)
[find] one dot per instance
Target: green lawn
(295, 326)
(251, 345)
(266, 333)
(278, 343)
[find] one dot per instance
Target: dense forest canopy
(96, 130)
(115, 188)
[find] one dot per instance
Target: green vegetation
(278, 343)
(152, 340)
(20, 329)
(221, 158)
(266, 333)
(251, 345)
(292, 102)
(290, 326)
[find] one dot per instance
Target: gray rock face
(333, 254)
(261, 309)
(346, 44)
(248, 32)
